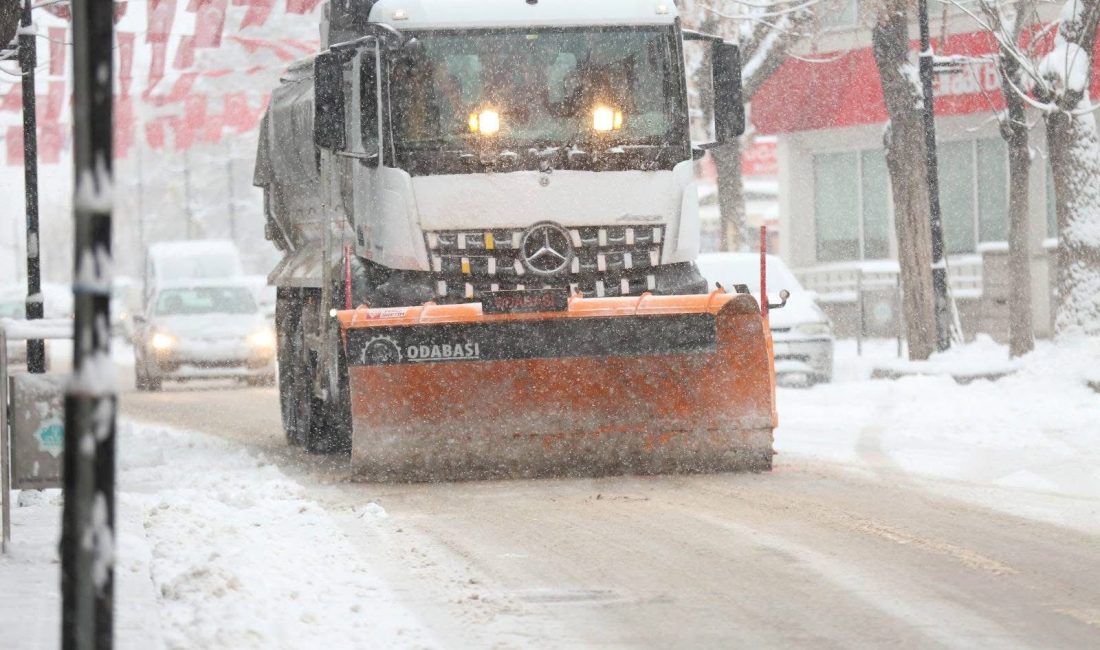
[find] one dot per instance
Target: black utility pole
(88, 520)
(28, 59)
(939, 263)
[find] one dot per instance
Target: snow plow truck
(489, 222)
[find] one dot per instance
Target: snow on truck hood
(571, 198)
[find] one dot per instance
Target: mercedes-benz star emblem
(546, 248)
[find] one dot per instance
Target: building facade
(826, 110)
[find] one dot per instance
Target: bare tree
(766, 31)
(1058, 82)
(1014, 131)
(905, 160)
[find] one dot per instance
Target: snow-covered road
(911, 513)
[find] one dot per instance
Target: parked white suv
(802, 333)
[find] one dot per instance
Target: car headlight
(163, 341)
(815, 329)
(262, 339)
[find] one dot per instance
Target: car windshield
(535, 88)
(195, 267)
(205, 300)
(730, 269)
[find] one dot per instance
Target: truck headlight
(606, 119)
(263, 340)
(487, 122)
(815, 329)
(163, 341)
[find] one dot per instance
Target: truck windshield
(536, 89)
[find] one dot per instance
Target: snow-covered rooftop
(472, 14)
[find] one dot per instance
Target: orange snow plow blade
(605, 385)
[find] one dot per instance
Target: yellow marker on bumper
(465, 266)
(489, 243)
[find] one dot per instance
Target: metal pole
(88, 519)
(939, 264)
(28, 59)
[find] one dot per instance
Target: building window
(844, 17)
(973, 193)
(851, 206)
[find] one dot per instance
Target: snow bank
(1028, 444)
(217, 549)
(242, 559)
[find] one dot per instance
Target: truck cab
(439, 151)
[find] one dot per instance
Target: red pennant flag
(57, 51)
(124, 125)
(258, 12)
(156, 67)
(300, 6)
(160, 16)
(51, 140)
(186, 127)
(253, 45)
(55, 100)
(209, 22)
(185, 54)
(13, 100)
(125, 41)
(14, 140)
(154, 134)
(238, 115)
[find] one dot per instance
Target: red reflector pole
(764, 271)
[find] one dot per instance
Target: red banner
(844, 89)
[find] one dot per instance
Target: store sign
(843, 89)
(759, 159)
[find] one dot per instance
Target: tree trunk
(731, 195)
(1075, 163)
(1074, 149)
(1021, 338)
(905, 160)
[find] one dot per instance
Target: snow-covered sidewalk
(219, 550)
(1028, 443)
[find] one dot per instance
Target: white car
(203, 330)
(802, 333)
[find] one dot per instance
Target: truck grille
(604, 261)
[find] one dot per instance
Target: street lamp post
(28, 59)
(939, 263)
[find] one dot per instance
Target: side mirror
(328, 102)
(729, 105)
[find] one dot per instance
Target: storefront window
(956, 167)
(836, 206)
(973, 193)
(992, 190)
(875, 197)
(852, 206)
